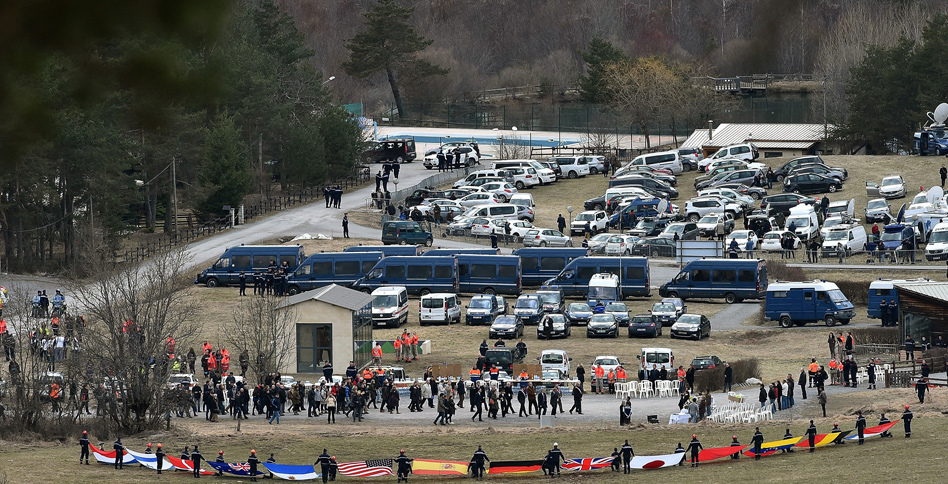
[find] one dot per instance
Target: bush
(778, 271)
(877, 335)
(713, 379)
(856, 291)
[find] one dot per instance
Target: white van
(851, 236)
(545, 174)
(660, 357)
(670, 160)
(636, 191)
(484, 174)
(572, 166)
(523, 200)
(743, 151)
(390, 306)
(439, 307)
(804, 221)
(494, 211)
(555, 360)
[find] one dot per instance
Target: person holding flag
(811, 436)
(403, 465)
(735, 443)
(694, 447)
(196, 460)
(861, 427)
(554, 457)
(323, 461)
(477, 463)
(84, 447)
(253, 462)
(757, 441)
(627, 454)
(159, 457)
(907, 421)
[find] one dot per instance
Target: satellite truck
(931, 140)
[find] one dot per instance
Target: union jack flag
(243, 466)
(588, 463)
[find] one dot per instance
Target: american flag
(367, 468)
(587, 463)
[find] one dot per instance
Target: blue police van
(574, 278)
(884, 289)
(325, 268)
(798, 303)
(420, 275)
(489, 274)
(731, 279)
(249, 258)
(539, 264)
(387, 249)
(471, 251)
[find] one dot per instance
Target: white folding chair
(633, 389)
(645, 389)
(622, 390)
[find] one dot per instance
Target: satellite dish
(941, 113)
(662, 206)
(851, 208)
(513, 128)
(934, 195)
(901, 215)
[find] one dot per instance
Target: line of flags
(383, 467)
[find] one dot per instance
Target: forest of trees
(93, 120)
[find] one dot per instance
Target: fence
(192, 232)
(438, 179)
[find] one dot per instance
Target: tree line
(99, 115)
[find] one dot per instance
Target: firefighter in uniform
(758, 440)
(811, 436)
(84, 447)
(253, 461)
(477, 463)
(735, 443)
(404, 466)
(861, 427)
(694, 446)
(907, 421)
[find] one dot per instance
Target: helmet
(87, 433)
(220, 452)
(906, 407)
(159, 445)
(694, 436)
(252, 451)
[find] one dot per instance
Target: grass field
(879, 460)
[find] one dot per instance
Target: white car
(709, 223)
(700, 206)
(520, 228)
(594, 220)
(892, 187)
(620, 244)
(483, 227)
(744, 200)
(771, 241)
(742, 236)
(468, 154)
(607, 362)
(555, 360)
(503, 190)
(480, 198)
(546, 238)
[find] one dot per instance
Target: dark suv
(401, 150)
(706, 362)
(421, 194)
(789, 166)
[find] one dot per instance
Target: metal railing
(433, 181)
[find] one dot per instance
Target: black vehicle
(691, 326)
(649, 227)
(819, 170)
(784, 202)
(661, 189)
(644, 325)
(557, 169)
(504, 357)
(811, 183)
(707, 362)
(560, 326)
(688, 162)
(754, 192)
(509, 327)
(655, 247)
(602, 325)
(787, 167)
(598, 203)
(578, 313)
(401, 150)
(421, 194)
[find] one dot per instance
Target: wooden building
(923, 309)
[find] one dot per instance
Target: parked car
(811, 183)
(484, 308)
(620, 245)
(644, 325)
(680, 306)
(555, 360)
(508, 327)
(479, 198)
(421, 194)
(655, 247)
(528, 309)
(546, 238)
(399, 150)
(551, 299)
(691, 326)
(503, 190)
(620, 311)
(892, 186)
(878, 210)
(754, 192)
(684, 231)
(745, 177)
(771, 242)
(607, 362)
(597, 244)
(558, 325)
(518, 229)
(572, 166)
(783, 202)
(468, 154)
(460, 226)
(787, 167)
(744, 151)
(604, 325)
(649, 227)
(707, 362)
(700, 206)
(404, 232)
(593, 221)
(483, 227)
(664, 313)
(690, 158)
(709, 223)
(578, 313)
(819, 170)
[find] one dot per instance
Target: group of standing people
(266, 283)
(333, 196)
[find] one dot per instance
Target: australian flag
(237, 469)
(587, 463)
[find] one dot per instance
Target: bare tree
(131, 313)
(639, 91)
(513, 147)
(265, 331)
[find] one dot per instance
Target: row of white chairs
(740, 413)
(645, 389)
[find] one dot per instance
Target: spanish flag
(425, 467)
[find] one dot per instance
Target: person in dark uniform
(119, 452)
(694, 447)
(627, 455)
(883, 421)
(323, 461)
(378, 179)
(680, 450)
(871, 373)
(884, 313)
(893, 312)
(84, 447)
(242, 278)
(220, 460)
(616, 459)
(811, 436)
(333, 468)
(757, 441)
(185, 455)
(404, 466)
(853, 369)
(921, 386)
(345, 225)
(555, 455)
(801, 382)
(253, 461)
(196, 461)
(577, 399)
(907, 421)
(477, 463)
(735, 443)
(159, 457)
(861, 427)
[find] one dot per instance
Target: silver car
(546, 238)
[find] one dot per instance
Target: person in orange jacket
(377, 354)
(211, 362)
(414, 345)
(398, 348)
(600, 373)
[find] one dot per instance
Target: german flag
(511, 466)
(425, 467)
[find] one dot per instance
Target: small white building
(773, 140)
(333, 323)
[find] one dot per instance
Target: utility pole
(174, 192)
